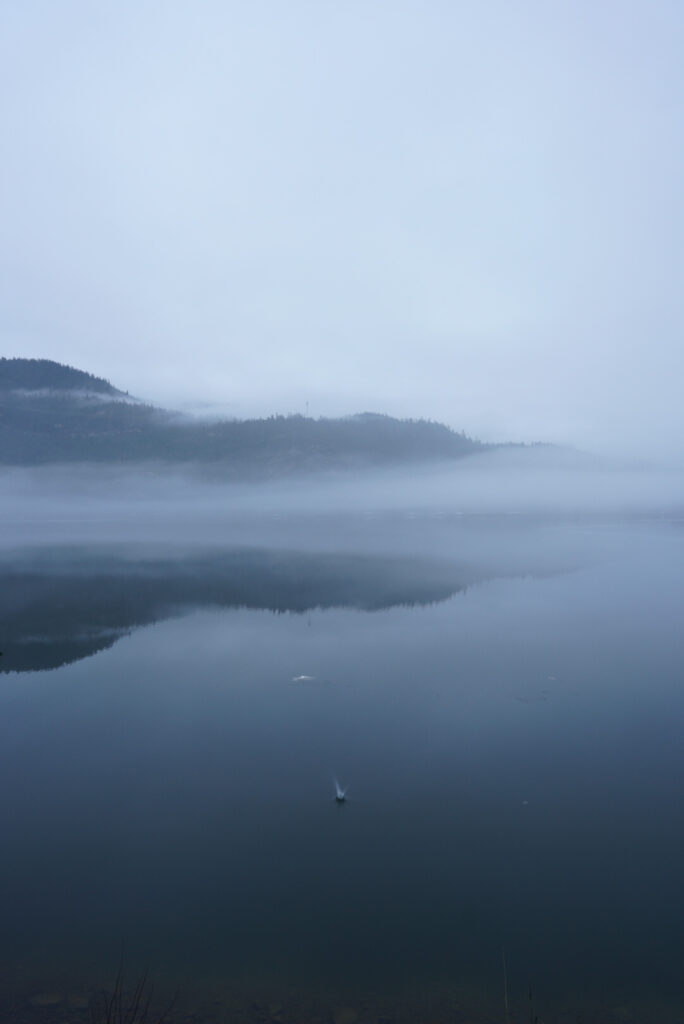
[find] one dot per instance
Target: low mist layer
(118, 502)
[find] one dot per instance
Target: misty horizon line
(103, 389)
(206, 412)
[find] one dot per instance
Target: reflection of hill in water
(60, 605)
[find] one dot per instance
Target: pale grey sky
(470, 211)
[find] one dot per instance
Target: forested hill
(46, 375)
(54, 413)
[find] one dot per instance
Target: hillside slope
(53, 413)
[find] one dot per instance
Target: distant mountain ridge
(52, 413)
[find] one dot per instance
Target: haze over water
(501, 694)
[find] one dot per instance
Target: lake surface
(503, 697)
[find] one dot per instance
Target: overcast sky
(470, 211)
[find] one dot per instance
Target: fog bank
(154, 501)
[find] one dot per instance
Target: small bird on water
(340, 794)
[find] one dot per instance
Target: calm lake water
(503, 698)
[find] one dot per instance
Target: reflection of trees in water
(57, 607)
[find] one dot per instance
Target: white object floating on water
(340, 794)
(301, 679)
